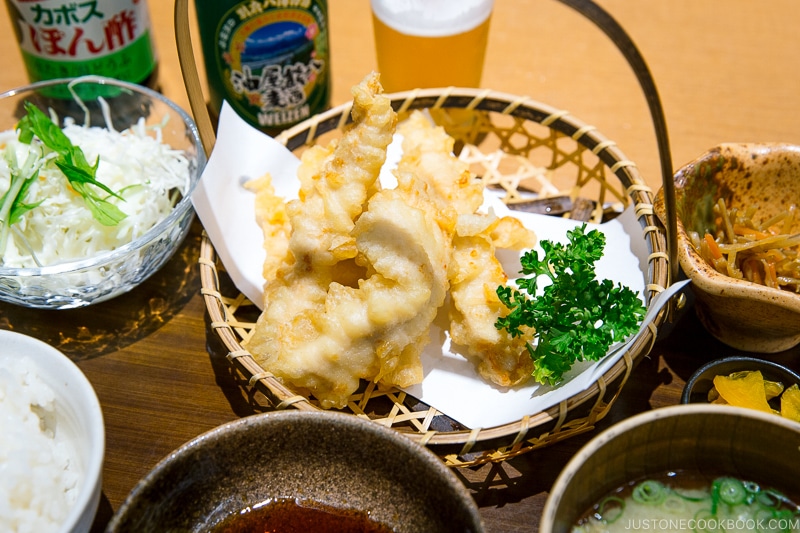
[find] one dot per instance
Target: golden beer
(434, 53)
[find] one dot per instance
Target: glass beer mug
(430, 43)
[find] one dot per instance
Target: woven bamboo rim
(502, 442)
(469, 447)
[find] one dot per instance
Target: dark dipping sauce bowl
(702, 381)
(332, 459)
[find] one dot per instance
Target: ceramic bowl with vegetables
(96, 177)
(738, 219)
(696, 467)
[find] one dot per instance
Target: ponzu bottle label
(64, 38)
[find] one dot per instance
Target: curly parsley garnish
(577, 317)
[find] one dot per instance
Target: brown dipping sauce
(290, 516)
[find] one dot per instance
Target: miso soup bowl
(704, 439)
(744, 315)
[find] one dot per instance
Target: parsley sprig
(72, 162)
(577, 317)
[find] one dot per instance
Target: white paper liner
(450, 383)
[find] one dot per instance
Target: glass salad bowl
(105, 198)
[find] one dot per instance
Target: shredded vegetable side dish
(74, 192)
(765, 253)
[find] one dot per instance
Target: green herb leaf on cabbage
(72, 162)
(12, 204)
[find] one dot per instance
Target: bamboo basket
(544, 159)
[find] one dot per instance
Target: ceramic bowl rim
(708, 279)
(345, 420)
(693, 379)
(88, 496)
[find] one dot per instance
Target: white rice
(38, 478)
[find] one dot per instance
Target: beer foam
(432, 18)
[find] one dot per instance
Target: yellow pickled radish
(714, 397)
(790, 403)
(773, 389)
(743, 389)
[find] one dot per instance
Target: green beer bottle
(268, 59)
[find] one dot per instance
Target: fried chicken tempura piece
(332, 197)
(406, 253)
(475, 272)
(274, 222)
(324, 340)
(428, 152)
(510, 234)
(322, 336)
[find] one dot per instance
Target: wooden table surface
(725, 70)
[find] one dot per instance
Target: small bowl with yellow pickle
(738, 222)
(746, 382)
(694, 467)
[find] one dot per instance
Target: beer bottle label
(64, 38)
(272, 63)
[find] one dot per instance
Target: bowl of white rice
(52, 441)
(96, 177)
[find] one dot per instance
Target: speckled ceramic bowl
(744, 315)
(332, 458)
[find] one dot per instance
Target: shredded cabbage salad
(147, 174)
